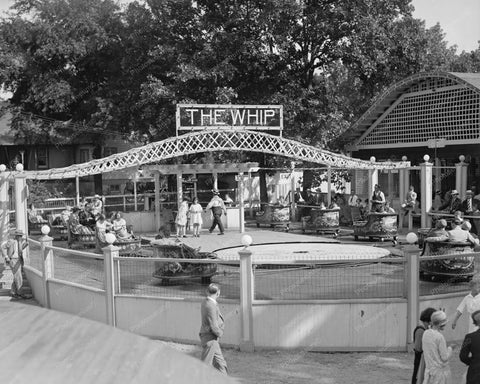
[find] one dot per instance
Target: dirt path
(299, 367)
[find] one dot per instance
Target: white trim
(413, 144)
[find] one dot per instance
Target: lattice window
(451, 113)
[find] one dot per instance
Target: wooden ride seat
(274, 215)
(167, 271)
(461, 267)
(127, 247)
(35, 221)
(58, 226)
(377, 226)
(322, 220)
(84, 236)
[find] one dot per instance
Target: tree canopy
(101, 68)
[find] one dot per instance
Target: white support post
(246, 300)
(372, 180)
(293, 184)
(404, 183)
(109, 252)
(250, 195)
(4, 204)
(426, 171)
(461, 176)
(135, 194)
(329, 186)
(47, 266)
(156, 178)
(77, 190)
(179, 189)
(241, 203)
(215, 180)
(21, 200)
(412, 257)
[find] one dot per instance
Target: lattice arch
(207, 141)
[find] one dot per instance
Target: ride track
(212, 141)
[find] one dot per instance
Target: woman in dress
(182, 218)
(196, 217)
(102, 226)
(435, 351)
(119, 225)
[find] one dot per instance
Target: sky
(459, 19)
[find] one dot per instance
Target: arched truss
(212, 141)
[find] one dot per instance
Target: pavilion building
(433, 113)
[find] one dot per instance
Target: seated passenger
(388, 208)
(322, 206)
(457, 234)
(34, 216)
(102, 226)
(439, 233)
(75, 226)
(119, 226)
(334, 204)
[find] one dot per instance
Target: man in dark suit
(470, 352)
(453, 204)
(467, 206)
(212, 329)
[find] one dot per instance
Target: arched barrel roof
(420, 108)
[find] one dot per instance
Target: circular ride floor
(314, 251)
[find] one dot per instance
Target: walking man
(212, 329)
(217, 206)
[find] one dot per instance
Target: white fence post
(426, 171)
(246, 296)
(4, 204)
(109, 252)
(412, 258)
(47, 264)
(21, 200)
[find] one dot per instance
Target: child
(418, 363)
(182, 218)
(196, 217)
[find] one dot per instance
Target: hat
(454, 192)
(458, 220)
(97, 197)
(439, 318)
(466, 226)
(469, 192)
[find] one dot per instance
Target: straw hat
(439, 318)
(454, 192)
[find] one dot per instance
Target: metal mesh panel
(421, 116)
(143, 277)
(75, 267)
(35, 257)
(337, 280)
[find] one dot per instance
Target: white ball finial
(3, 167)
(373, 159)
(461, 158)
(426, 158)
(110, 238)
(411, 238)
(19, 167)
(404, 158)
(45, 230)
(247, 240)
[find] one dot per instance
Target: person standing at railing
(469, 304)
(378, 199)
(97, 206)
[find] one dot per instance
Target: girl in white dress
(196, 217)
(182, 218)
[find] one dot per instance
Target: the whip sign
(191, 117)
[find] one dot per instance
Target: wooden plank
(45, 346)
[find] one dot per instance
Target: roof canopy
(421, 108)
